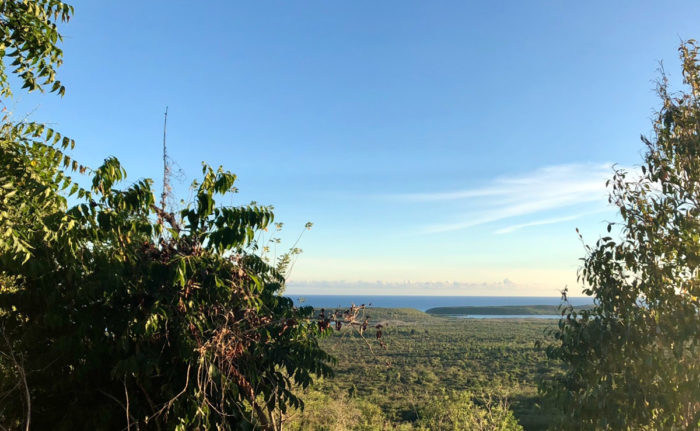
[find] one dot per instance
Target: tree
(633, 361)
(115, 313)
(122, 321)
(332, 411)
(457, 411)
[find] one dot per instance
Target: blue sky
(453, 145)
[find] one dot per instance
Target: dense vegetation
(507, 310)
(633, 361)
(430, 364)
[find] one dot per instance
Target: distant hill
(507, 310)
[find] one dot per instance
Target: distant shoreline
(504, 310)
(425, 303)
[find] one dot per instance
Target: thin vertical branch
(126, 395)
(166, 167)
(28, 396)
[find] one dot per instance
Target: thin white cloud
(513, 228)
(543, 190)
(516, 209)
(557, 180)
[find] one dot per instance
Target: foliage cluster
(177, 327)
(457, 411)
(326, 411)
(29, 36)
(633, 361)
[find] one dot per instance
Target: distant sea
(423, 303)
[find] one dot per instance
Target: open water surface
(424, 303)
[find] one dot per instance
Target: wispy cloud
(538, 192)
(513, 228)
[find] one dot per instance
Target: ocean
(423, 303)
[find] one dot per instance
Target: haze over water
(423, 303)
